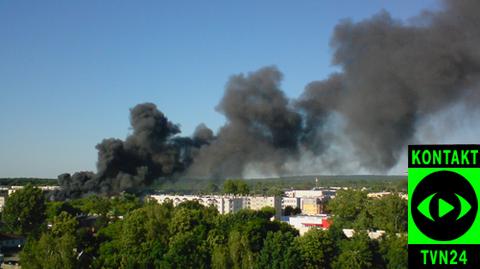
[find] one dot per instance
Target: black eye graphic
(443, 207)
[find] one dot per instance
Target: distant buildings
(3, 199)
(317, 193)
(294, 202)
(312, 206)
(6, 191)
(374, 235)
(385, 193)
(310, 202)
(304, 223)
(225, 203)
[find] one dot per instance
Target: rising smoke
(392, 76)
(151, 152)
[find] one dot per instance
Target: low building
(304, 223)
(374, 235)
(313, 193)
(386, 193)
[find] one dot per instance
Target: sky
(71, 70)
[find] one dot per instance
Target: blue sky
(70, 70)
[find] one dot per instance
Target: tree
(279, 252)
(54, 209)
(211, 188)
(50, 252)
(24, 211)
(316, 248)
(238, 186)
(290, 211)
(239, 249)
(55, 249)
(355, 253)
(93, 204)
(349, 209)
(394, 251)
(139, 241)
(188, 250)
(64, 224)
(390, 213)
(123, 204)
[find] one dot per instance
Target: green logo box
(443, 215)
(415, 235)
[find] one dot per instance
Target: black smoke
(392, 75)
(262, 127)
(151, 152)
(395, 74)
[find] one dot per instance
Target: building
(6, 191)
(304, 223)
(311, 206)
(374, 235)
(311, 202)
(259, 202)
(3, 199)
(385, 193)
(225, 203)
(293, 202)
(319, 193)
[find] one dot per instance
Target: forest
(127, 232)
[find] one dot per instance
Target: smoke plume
(151, 152)
(392, 75)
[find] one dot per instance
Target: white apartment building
(225, 203)
(259, 202)
(294, 202)
(314, 193)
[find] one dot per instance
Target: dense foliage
(275, 186)
(239, 187)
(24, 211)
(22, 181)
(123, 232)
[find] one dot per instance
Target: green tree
(349, 209)
(93, 204)
(279, 252)
(50, 252)
(241, 255)
(316, 248)
(54, 209)
(220, 257)
(188, 250)
(394, 251)
(238, 186)
(139, 241)
(211, 188)
(290, 211)
(123, 204)
(55, 249)
(389, 213)
(24, 211)
(355, 253)
(64, 224)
